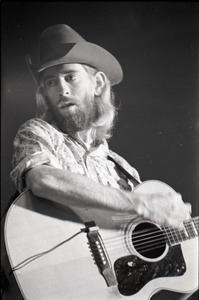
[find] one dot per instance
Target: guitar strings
(175, 231)
(117, 241)
(192, 227)
(144, 249)
(149, 243)
(166, 229)
(141, 232)
(143, 243)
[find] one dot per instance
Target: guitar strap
(124, 171)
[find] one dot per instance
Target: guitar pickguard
(133, 273)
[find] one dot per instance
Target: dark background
(156, 44)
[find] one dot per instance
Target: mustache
(66, 101)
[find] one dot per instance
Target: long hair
(100, 129)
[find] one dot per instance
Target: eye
(50, 83)
(70, 77)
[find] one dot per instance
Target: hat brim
(89, 54)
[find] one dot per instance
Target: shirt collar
(101, 150)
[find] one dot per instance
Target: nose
(64, 89)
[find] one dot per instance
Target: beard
(79, 118)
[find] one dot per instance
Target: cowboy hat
(60, 44)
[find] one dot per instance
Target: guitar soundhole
(148, 240)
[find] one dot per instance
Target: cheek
(51, 97)
(83, 89)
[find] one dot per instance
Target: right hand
(163, 209)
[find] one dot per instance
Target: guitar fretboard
(190, 230)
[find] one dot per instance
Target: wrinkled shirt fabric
(48, 145)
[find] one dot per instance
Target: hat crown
(56, 41)
(61, 34)
(60, 44)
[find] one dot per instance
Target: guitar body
(34, 225)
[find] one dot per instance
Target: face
(69, 91)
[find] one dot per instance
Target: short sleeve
(35, 144)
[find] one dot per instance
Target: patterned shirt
(52, 147)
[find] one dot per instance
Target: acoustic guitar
(58, 252)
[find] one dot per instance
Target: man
(63, 154)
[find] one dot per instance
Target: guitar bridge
(100, 254)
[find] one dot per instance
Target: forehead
(62, 69)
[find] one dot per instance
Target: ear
(100, 80)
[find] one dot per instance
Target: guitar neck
(176, 236)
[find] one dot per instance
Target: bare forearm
(73, 189)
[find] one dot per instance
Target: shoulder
(40, 128)
(37, 132)
(35, 124)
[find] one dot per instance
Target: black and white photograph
(99, 150)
